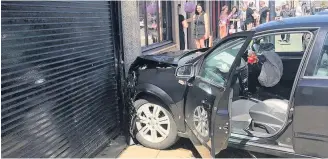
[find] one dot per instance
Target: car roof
(295, 22)
(322, 12)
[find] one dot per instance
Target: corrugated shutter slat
(58, 82)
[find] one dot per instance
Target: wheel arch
(147, 90)
(148, 95)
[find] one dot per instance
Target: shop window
(155, 23)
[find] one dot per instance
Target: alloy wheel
(201, 121)
(153, 123)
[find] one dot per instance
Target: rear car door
(207, 97)
(311, 104)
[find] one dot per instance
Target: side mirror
(185, 74)
(185, 71)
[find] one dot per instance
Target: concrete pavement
(183, 149)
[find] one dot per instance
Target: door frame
(262, 144)
(227, 89)
(204, 149)
(249, 36)
(301, 68)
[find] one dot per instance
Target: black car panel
(311, 104)
(162, 83)
(310, 117)
(293, 23)
(322, 13)
(163, 78)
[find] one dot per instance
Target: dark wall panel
(58, 78)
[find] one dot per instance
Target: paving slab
(137, 151)
(177, 153)
(183, 149)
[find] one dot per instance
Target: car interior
(265, 110)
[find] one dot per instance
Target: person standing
(181, 31)
(223, 23)
(264, 12)
(235, 17)
(278, 11)
(242, 17)
(202, 30)
(249, 22)
(299, 10)
(256, 18)
(286, 13)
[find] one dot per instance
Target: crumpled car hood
(173, 58)
(168, 57)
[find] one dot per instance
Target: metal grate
(58, 82)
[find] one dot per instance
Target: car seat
(270, 114)
(240, 117)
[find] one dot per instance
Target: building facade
(155, 26)
(151, 27)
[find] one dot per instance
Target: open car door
(220, 115)
(208, 92)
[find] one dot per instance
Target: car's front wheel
(155, 125)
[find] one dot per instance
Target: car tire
(170, 136)
(203, 136)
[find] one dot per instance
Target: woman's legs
(197, 44)
(282, 37)
(202, 43)
(235, 24)
(223, 31)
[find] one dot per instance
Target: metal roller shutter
(58, 82)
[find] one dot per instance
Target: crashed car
(250, 92)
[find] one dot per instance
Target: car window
(216, 66)
(285, 43)
(322, 65)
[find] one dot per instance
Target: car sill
(249, 144)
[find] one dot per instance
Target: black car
(325, 12)
(199, 95)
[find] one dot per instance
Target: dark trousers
(182, 40)
(254, 72)
(207, 42)
(285, 35)
(243, 79)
